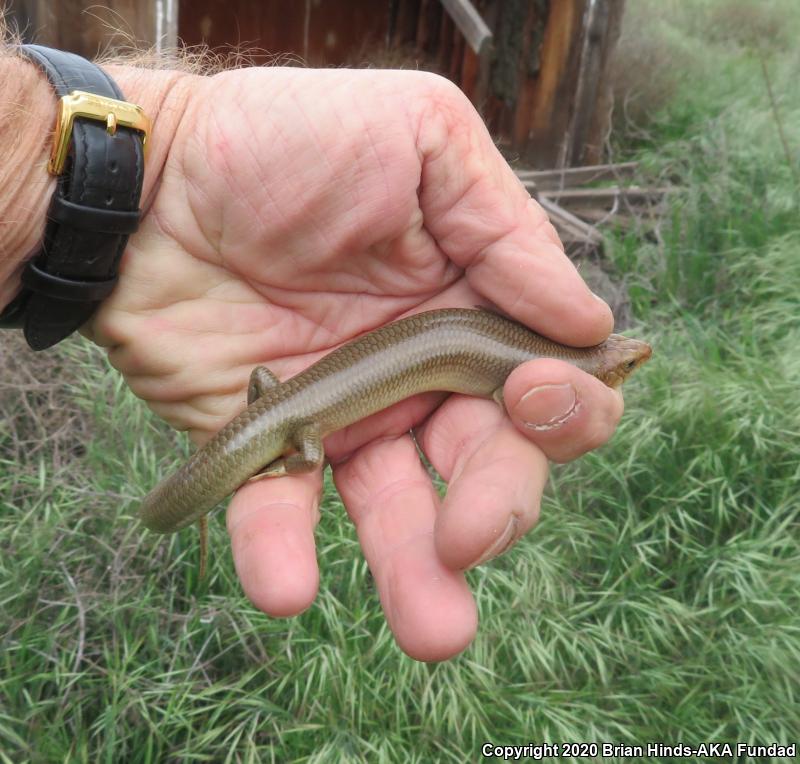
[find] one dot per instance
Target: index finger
(484, 220)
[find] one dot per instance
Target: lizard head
(621, 357)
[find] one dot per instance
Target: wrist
(28, 106)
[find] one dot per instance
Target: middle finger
(495, 480)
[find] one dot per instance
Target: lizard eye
(630, 364)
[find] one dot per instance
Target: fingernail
(500, 544)
(599, 298)
(547, 406)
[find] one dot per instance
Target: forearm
(28, 107)
(27, 115)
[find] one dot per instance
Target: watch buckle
(110, 111)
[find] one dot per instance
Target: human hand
(289, 210)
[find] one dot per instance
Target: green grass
(657, 600)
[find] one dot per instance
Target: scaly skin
(461, 351)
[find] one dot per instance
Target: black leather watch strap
(93, 211)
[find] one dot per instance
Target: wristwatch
(98, 156)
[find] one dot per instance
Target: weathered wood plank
(572, 176)
(470, 23)
(322, 33)
(569, 226)
(628, 219)
(607, 195)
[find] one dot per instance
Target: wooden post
(562, 115)
(600, 124)
(526, 82)
(88, 27)
(554, 90)
(428, 24)
(586, 132)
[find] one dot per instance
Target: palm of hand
(297, 209)
(281, 246)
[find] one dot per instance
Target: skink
(281, 430)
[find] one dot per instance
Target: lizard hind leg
(497, 396)
(261, 381)
(309, 455)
